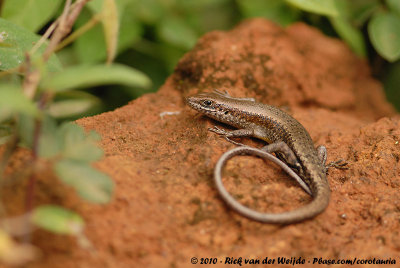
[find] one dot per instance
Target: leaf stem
(32, 178)
(32, 78)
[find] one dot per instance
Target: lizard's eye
(207, 103)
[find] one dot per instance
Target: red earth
(165, 209)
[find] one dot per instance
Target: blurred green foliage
(154, 34)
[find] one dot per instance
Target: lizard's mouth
(198, 104)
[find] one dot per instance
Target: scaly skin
(274, 126)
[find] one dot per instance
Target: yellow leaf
(12, 253)
(110, 22)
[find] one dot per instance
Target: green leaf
(384, 32)
(130, 31)
(84, 76)
(110, 21)
(72, 134)
(4, 139)
(176, 31)
(77, 145)
(149, 11)
(91, 46)
(12, 100)
(356, 12)
(58, 220)
(350, 34)
(97, 5)
(170, 55)
(15, 41)
(25, 127)
(90, 184)
(362, 10)
(198, 5)
(7, 130)
(394, 6)
(49, 139)
(392, 82)
(68, 140)
(275, 10)
(322, 7)
(93, 135)
(84, 152)
(72, 107)
(31, 14)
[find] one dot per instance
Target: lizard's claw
(219, 131)
(225, 134)
(339, 164)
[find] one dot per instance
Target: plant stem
(65, 25)
(77, 33)
(10, 149)
(30, 190)
(32, 178)
(32, 79)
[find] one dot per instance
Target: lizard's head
(219, 106)
(206, 103)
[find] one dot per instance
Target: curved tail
(320, 191)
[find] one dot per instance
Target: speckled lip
(191, 102)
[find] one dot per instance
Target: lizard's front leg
(227, 134)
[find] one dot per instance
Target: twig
(48, 32)
(35, 153)
(59, 30)
(62, 28)
(65, 26)
(35, 156)
(77, 33)
(30, 190)
(31, 79)
(44, 37)
(59, 33)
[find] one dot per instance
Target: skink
(285, 136)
